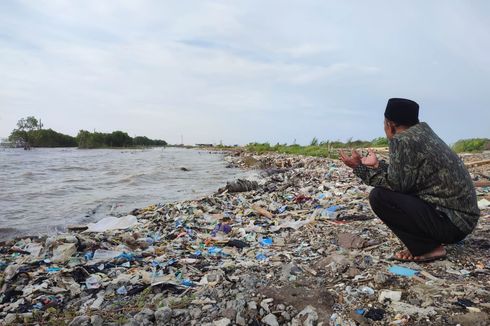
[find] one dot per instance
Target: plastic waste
(214, 250)
(402, 271)
(112, 223)
(266, 242)
(93, 282)
(390, 295)
(331, 212)
(221, 227)
(105, 255)
(237, 243)
(375, 314)
(122, 290)
(63, 252)
(282, 209)
(366, 290)
(187, 283)
(260, 256)
(292, 224)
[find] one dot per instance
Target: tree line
(30, 133)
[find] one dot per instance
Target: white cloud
(208, 68)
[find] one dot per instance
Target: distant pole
(182, 140)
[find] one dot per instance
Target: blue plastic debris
(214, 250)
(126, 256)
(88, 255)
(187, 282)
(178, 223)
(171, 261)
(402, 271)
(53, 269)
(37, 306)
(197, 253)
(260, 256)
(331, 212)
(321, 196)
(282, 209)
(360, 311)
(154, 263)
(266, 242)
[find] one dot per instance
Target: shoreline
(57, 187)
(301, 247)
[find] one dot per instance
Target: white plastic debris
(63, 252)
(112, 223)
(393, 296)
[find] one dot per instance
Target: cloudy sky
(243, 71)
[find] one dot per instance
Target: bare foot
(440, 251)
(404, 255)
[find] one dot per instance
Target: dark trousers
(416, 223)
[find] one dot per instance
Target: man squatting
(424, 195)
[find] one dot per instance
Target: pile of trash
(297, 246)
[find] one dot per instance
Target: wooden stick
(477, 163)
(482, 183)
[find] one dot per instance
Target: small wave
(132, 177)
(69, 168)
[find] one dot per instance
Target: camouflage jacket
(422, 165)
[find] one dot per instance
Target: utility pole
(182, 140)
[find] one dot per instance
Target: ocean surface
(44, 190)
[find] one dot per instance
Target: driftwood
(483, 183)
(477, 163)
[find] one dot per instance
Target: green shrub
(471, 145)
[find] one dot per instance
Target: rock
(408, 309)
(10, 319)
(96, 320)
(179, 312)
(472, 319)
(195, 313)
(380, 278)
(288, 270)
(145, 317)
(239, 320)
(265, 304)
(270, 320)
(286, 315)
(311, 316)
(336, 263)
(163, 316)
(222, 322)
(349, 241)
(80, 321)
(252, 305)
(229, 313)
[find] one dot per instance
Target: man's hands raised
(371, 160)
(355, 159)
(352, 161)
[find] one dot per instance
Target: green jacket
(422, 165)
